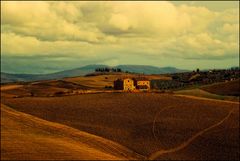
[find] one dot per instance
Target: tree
(106, 69)
(198, 70)
(119, 70)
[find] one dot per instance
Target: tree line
(106, 69)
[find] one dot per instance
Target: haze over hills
(146, 69)
(6, 77)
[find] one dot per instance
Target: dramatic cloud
(119, 32)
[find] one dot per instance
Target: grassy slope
(201, 93)
(226, 88)
(25, 137)
(128, 118)
(50, 88)
(101, 81)
(223, 91)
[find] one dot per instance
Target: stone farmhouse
(128, 84)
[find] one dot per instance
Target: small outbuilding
(141, 83)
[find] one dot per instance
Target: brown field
(231, 88)
(26, 137)
(153, 125)
(216, 144)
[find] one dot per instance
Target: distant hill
(146, 69)
(7, 78)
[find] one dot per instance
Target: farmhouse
(141, 83)
(128, 84)
(125, 84)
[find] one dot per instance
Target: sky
(46, 37)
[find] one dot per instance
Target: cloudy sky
(45, 37)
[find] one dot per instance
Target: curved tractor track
(156, 154)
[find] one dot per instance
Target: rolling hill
(153, 125)
(223, 91)
(67, 85)
(231, 88)
(146, 69)
(7, 78)
(38, 139)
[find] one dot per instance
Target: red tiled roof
(121, 79)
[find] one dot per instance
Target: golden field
(26, 137)
(144, 122)
(114, 125)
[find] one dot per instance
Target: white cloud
(120, 22)
(118, 29)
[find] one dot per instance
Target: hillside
(204, 94)
(38, 139)
(146, 69)
(100, 81)
(67, 85)
(146, 123)
(6, 77)
(231, 88)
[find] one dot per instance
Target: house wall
(140, 83)
(128, 84)
(118, 85)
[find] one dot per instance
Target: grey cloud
(111, 32)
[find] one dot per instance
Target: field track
(135, 126)
(207, 99)
(156, 154)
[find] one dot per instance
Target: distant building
(126, 84)
(141, 83)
